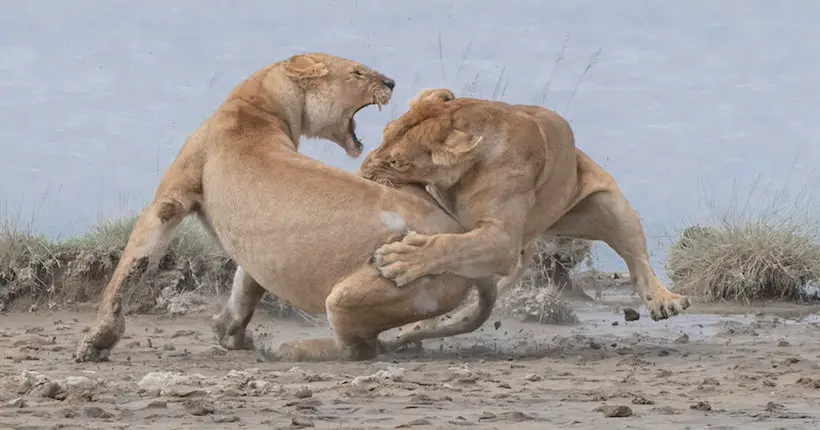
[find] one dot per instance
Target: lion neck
(270, 94)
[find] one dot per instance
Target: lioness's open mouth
(358, 146)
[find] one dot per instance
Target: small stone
(615, 323)
(504, 385)
(79, 383)
(533, 377)
(701, 406)
(418, 422)
(303, 393)
(665, 410)
(301, 422)
(226, 419)
(772, 406)
(17, 403)
(518, 416)
(683, 338)
(157, 404)
(631, 314)
(197, 407)
(782, 343)
(67, 412)
(487, 416)
(49, 390)
(615, 411)
(96, 412)
(421, 399)
(182, 333)
(641, 400)
(595, 345)
(497, 325)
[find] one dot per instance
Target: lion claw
(400, 274)
(402, 262)
(672, 305)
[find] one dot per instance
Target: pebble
(303, 393)
(615, 411)
(631, 314)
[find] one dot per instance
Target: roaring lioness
(509, 173)
(298, 228)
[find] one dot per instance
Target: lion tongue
(356, 139)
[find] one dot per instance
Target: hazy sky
(96, 97)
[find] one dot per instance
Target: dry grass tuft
(532, 303)
(744, 262)
(553, 260)
(539, 296)
(770, 253)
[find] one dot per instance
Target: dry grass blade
(538, 297)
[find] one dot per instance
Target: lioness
(510, 173)
(296, 227)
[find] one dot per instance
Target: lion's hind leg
(365, 304)
(606, 215)
(148, 240)
(230, 325)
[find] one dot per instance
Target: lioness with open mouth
(509, 173)
(298, 228)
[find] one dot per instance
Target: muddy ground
(714, 367)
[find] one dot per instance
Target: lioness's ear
(435, 94)
(455, 149)
(304, 67)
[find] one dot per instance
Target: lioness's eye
(394, 163)
(358, 72)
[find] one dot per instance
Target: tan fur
(297, 228)
(509, 173)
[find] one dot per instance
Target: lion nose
(389, 83)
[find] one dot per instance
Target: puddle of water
(700, 321)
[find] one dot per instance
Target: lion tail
(487, 293)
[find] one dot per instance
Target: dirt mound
(81, 275)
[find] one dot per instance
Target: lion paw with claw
(404, 261)
(666, 306)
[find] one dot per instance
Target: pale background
(688, 97)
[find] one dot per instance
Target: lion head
(419, 143)
(334, 90)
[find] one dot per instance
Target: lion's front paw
(666, 304)
(403, 261)
(97, 344)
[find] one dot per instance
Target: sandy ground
(711, 368)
